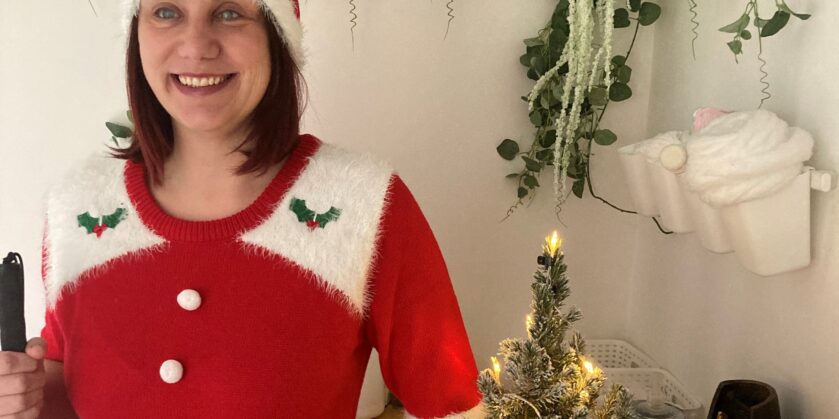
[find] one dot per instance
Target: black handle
(12, 322)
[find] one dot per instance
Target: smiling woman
(181, 284)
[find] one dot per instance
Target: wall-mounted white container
(772, 235)
(769, 235)
(637, 175)
(672, 204)
(708, 223)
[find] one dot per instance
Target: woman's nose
(199, 42)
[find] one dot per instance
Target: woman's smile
(201, 84)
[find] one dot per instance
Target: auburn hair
(274, 123)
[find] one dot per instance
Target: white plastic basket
(626, 365)
(613, 353)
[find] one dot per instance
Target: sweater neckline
(177, 229)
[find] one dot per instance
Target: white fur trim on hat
(281, 12)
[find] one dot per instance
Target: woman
(180, 283)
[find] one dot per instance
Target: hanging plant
(576, 77)
(354, 19)
(764, 28)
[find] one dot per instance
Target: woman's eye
(165, 13)
(229, 15)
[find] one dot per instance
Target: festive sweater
(269, 313)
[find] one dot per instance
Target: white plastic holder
(708, 222)
(636, 172)
(771, 235)
(672, 204)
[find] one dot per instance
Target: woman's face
(207, 61)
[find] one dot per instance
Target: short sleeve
(52, 332)
(414, 319)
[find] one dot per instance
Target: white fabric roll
(743, 156)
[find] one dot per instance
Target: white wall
(436, 109)
(703, 315)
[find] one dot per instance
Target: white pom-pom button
(171, 371)
(189, 300)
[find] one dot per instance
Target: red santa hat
(284, 14)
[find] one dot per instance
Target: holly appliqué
(99, 225)
(313, 219)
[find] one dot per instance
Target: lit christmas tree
(545, 376)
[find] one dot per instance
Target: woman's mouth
(201, 85)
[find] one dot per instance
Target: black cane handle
(12, 322)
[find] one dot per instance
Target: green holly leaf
(621, 18)
(649, 13)
(736, 26)
(113, 219)
(620, 92)
(119, 131)
(605, 137)
(508, 149)
(775, 24)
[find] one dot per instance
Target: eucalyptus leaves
(576, 78)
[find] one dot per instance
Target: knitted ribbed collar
(176, 229)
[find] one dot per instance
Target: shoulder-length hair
(275, 122)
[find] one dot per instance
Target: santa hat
(284, 14)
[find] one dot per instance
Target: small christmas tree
(548, 377)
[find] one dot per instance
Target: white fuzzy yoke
(98, 187)
(340, 254)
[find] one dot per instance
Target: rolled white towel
(743, 156)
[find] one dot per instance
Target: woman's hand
(22, 380)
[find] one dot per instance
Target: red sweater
(271, 312)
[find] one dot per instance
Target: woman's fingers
(19, 403)
(22, 382)
(30, 413)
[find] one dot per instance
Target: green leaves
(649, 13)
(508, 149)
(737, 26)
(621, 18)
(778, 21)
(598, 96)
(605, 137)
(119, 131)
(623, 74)
(619, 92)
(532, 165)
(736, 47)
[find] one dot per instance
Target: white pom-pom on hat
(284, 14)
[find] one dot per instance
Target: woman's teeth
(201, 81)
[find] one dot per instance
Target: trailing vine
(764, 28)
(548, 62)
